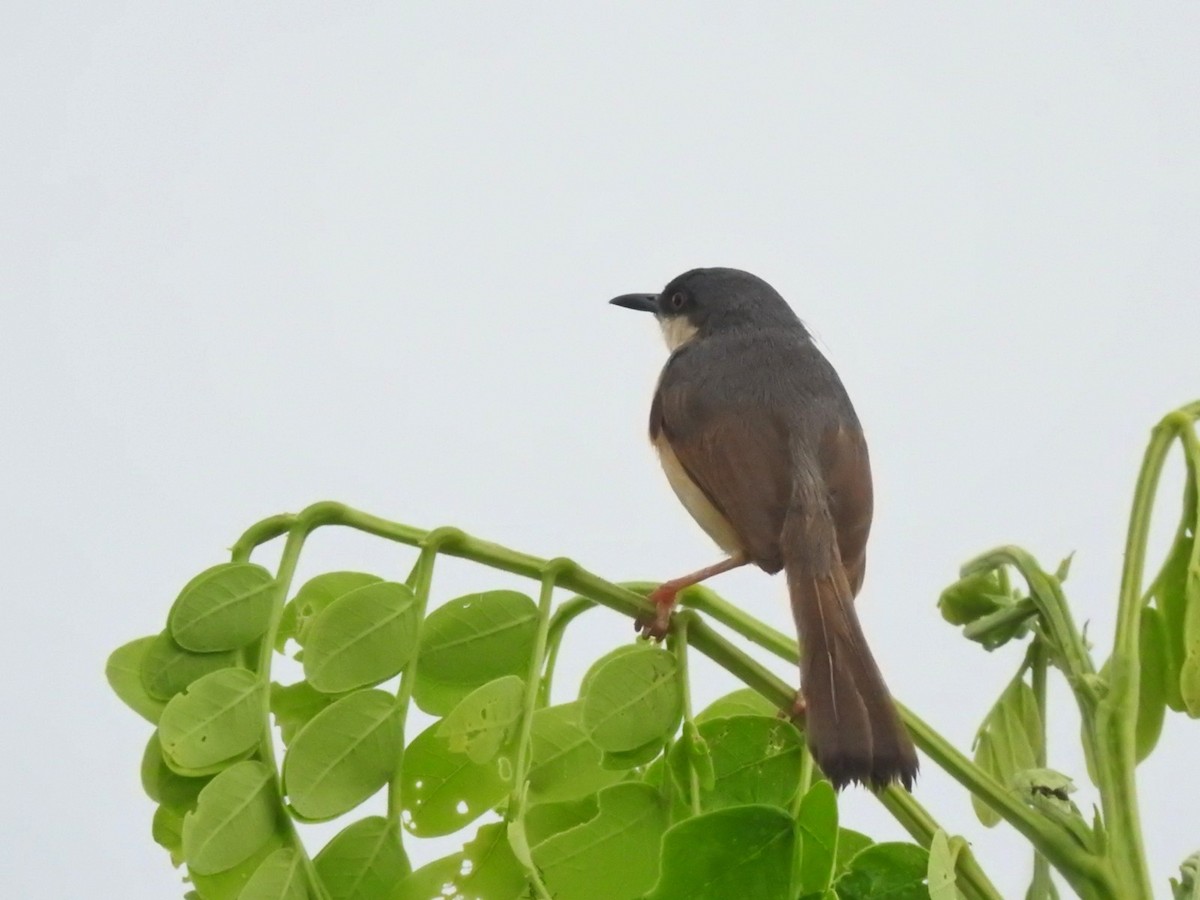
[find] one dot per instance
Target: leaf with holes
(234, 816)
(168, 668)
(428, 882)
(618, 849)
(124, 673)
(365, 860)
(343, 756)
(741, 851)
(632, 699)
(443, 790)
(361, 638)
(470, 641)
(279, 877)
(223, 608)
(484, 720)
(755, 759)
(215, 720)
(316, 594)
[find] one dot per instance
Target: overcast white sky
(257, 255)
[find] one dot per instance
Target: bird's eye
(678, 300)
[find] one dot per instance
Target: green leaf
(741, 851)
(216, 719)
(490, 871)
(618, 849)
(817, 827)
(168, 669)
(485, 719)
(633, 700)
(1189, 675)
(167, 830)
(427, 882)
(629, 759)
(444, 791)
(228, 885)
(1049, 792)
(279, 877)
(547, 819)
(565, 765)
(295, 705)
(343, 756)
(943, 856)
(1170, 596)
(1188, 885)
(165, 786)
(755, 760)
(470, 641)
(364, 861)
(1008, 741)
(223, 608)
(888, 871)
(235, 815)
(1152, 691)
(316, 594)
(744, 702)
(124, 674)
(849, 844)
(361, 638)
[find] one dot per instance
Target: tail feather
(853, 727)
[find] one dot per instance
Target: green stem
(421, 582)
(566, 613)
(1116, 716)
(1040, 888)
(550, 575)
(679, 645)
(296, 536)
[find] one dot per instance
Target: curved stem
(297, 534)
(566, 613)
(1040, 888)
(679, 645)
(1116, 716)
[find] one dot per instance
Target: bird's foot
(656, 626)
(799, 708)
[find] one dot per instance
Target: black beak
(643, 302)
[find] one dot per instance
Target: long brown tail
(853, 727)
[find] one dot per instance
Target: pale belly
(694, 501)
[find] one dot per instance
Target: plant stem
(566, 613)
(679, 645)
(1116, 715)
(1040, 887)
(296, 536)
(421, 581)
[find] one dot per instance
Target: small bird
(761, 444)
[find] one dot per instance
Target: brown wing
(847, 471)
(738, 457)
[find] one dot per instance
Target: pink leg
(665, 595)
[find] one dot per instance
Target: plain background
(257, 255)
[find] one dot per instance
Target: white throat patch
(677, 331)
